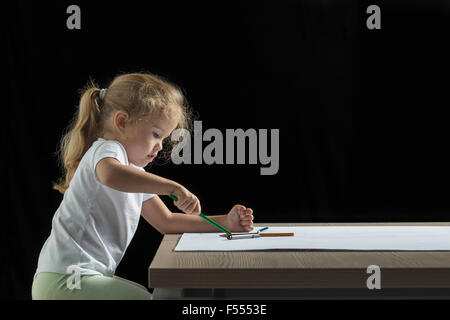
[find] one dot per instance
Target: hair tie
(102, 93)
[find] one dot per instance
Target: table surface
(298, 269)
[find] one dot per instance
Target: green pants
(53, 286)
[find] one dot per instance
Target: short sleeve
(147, 196)
(110, 149)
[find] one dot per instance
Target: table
(298, 274)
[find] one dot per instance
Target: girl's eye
(155, 135)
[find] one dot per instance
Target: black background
(362, 113)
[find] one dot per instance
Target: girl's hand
(240, 219)
(186, 201)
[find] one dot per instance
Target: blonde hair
(139, 94)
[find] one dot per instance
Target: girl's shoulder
(102, 148)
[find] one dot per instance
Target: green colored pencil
(215, 224)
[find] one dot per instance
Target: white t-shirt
(94, 224)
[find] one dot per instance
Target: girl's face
(143, 140)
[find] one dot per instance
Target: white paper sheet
(361, 238)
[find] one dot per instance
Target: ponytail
(82, 132)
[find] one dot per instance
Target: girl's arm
(124, 178)
(162, 219)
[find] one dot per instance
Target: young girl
(116, 132)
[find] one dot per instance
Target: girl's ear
(121, 119)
